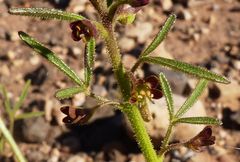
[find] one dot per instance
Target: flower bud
(127, 15)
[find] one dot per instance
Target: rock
(126, 44)
(158, 126)
(187, 15)
(236, 117)
(230, 95)
(35, 60)
(54, 156)
(177, 80)
(101, 113)
(13, 36)
(203, 156)
(79, 99)
(100, 90)
(182, 13)
(77, 6)
(162, 51)
(114, 150)
(70, 143)
(141, 31)
(35, 129)
(236, 64)
(38, 76)
(128, 60)
(80, 158)
(11, 55)
(5, 71)
(136, 157)
(167, 5)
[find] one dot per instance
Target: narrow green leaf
(51, 57)
(196, 71)
(202, 84)
(7, 104)
(46, 13)
(2, 141)
(160, 36)
(89, 61)
(29, 115)
(7, 135)
(68, 92)
(199, 120)
(167, 93)
(22, 96)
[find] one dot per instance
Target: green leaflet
(68, 92)
(196, 71)
(22, 96)
(51, 57)
(9, 138)
(160, 36)
(167, 93)
(199, 120)
(202, 84)
(46, 13)
(6, 103)
(89, 61)
(29, 115)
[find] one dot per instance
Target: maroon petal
(74, 24)
(91, 28)
(76, 35)
(139, 3)
(133, 99)
(206, 133)
(65, 110)
(152, 80)
(156, 93)
(67, 120)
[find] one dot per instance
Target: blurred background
(206, 33)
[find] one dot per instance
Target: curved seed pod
(144, 111)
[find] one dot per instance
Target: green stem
(141, 134)
(11, 141)
(132, 112)
(115, 58)
(136, 65)
(166, 140)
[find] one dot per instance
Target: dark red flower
(204, 138)
(76, 115)
(146, 88)
(82, 29)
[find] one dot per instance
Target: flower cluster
(143, 89)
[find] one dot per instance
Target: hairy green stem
(11, 141)
(132, 112)
(136, 65)
(141, 134)
(115, 58)
(166, 140)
